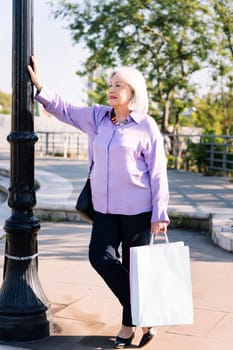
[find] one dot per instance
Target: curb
(222, 231)
(178, 219)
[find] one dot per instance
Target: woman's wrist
(39, 88)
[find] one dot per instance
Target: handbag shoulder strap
(89, 172)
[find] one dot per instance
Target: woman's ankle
(146, 329)
(126, 331)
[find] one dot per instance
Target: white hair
(135, 79)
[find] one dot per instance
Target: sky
(58, 59)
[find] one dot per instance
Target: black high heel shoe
(121, 343)
(147, 337)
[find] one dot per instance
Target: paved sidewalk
(86, 316)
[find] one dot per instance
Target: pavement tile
(223, 329)
(169, 341)
(69, 281)
(213, 285)
(204, 322)
(73, 327)
(91, 308)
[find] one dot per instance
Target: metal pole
(23, 304)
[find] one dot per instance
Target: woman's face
(119, 92)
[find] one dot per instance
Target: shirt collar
(135, 115)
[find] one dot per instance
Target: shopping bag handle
(157, 237)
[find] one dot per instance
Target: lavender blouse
(129, 173)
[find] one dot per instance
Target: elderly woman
(128, 179)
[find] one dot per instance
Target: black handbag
(84, 202)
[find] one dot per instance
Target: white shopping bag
(160, 285)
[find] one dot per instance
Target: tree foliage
(168, 41)
(214, 116)
(224, 25)
(220, 109)
(5, 103)
(222, 55)
(164, 39)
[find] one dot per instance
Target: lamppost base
(24, 308)
(24, 328)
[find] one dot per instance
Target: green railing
(210, 154)
(63, 144)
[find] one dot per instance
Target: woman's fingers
(33, 71)
(34, 64)
(158, 227)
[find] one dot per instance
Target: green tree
(164, 39)
(222, 60)
(224, 25)
(209, 115)
(5, 103)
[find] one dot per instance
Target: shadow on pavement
(201, 246)
(84, 342)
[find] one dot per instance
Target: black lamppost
(23, 304)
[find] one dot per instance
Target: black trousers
(110, 233)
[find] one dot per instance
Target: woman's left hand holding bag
(159, 227)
